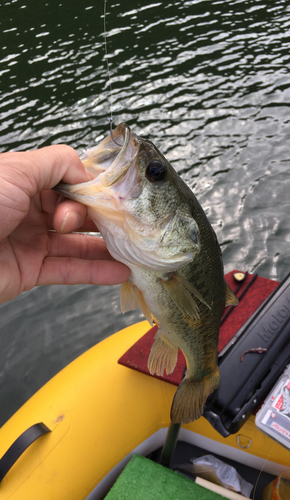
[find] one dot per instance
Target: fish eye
(156, 171)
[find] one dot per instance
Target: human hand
(31, 254)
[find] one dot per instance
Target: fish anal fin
(163, 356)
(182, 298)
(191, 395)
(231, 299)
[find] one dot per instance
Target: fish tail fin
(191, 396)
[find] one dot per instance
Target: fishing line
(261, 471)
(109, 76)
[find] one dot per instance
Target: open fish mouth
(112, 158)
(109, 162)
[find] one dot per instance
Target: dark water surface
(207, 82)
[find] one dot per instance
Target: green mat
(145, 480)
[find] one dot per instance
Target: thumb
(33, 171)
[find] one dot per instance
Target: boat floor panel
(184, 452)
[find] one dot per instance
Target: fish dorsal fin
(231, 299)
(163, 356)
(181, 291)
(131, 298)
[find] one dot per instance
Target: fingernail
(70, 222)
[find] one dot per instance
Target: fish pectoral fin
(144, 308)
(163, 356)
(191, 395)
(231, 299)
(182, 298)
(128, 297)
(131, 298)
(190, 288)
(181, 291)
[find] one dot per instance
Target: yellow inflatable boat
(94, 415)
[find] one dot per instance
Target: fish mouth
(109, 162)
(112, 158)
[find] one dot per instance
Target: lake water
(207, 82)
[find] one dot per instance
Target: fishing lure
(260, 350)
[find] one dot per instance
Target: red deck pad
(136, 357)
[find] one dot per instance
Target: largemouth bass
(152, 222)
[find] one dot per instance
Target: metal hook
(111, 133)
(244, 447)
